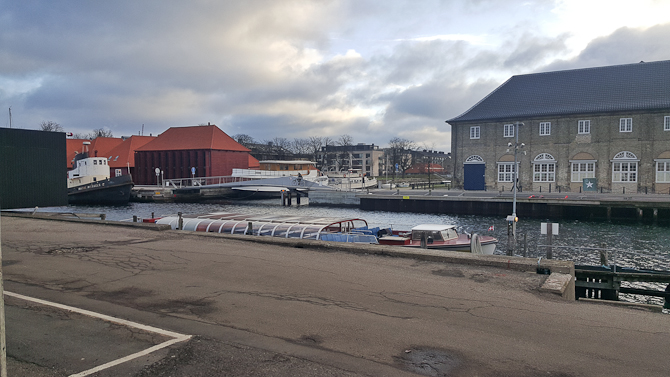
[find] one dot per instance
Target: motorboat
(440, 237)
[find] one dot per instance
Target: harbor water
(632, 244)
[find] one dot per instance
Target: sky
(374, 70)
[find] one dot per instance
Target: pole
(516, 176)
(3, 342)
(550, 253)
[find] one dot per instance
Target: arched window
(474, 159)
(624, 167)
(544, 168)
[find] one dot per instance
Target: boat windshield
(435, 235)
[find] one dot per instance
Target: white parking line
(177, 337)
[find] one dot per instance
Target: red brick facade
(214, 154)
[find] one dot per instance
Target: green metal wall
(32, 168)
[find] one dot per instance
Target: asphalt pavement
(236, 307)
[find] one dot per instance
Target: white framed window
(626, 125)
(666, 123)
(582, 169)
(624, 167)
(584, 127)
(509, 130)
(663, 171)
(544, 168)
(118, 172)
(474, 132)
(505, 171)
(545, 128)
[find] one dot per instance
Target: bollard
(152, 215)
(180, 223)
(250, 229)
(103, 217)
(134, 218)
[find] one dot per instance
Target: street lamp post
(513, 218)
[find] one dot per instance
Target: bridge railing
(202, 181)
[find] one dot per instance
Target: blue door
(473, 177)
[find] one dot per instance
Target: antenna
(10, 117)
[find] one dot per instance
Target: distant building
(440, 162)
(121, 159)
(610, 124)
(341, 158)
(183, 152)
(100, 147)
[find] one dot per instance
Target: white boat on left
(90, 182)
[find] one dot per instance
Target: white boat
(280, 168)
(350, 180)
(90, 183)
(353, 230)
(440, 237)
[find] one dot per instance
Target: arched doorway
(474, 169)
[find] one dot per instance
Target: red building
(180, 149)
(99, 147)
(122, 157)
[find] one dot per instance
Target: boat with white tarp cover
(353, 230)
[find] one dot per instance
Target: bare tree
(244, 139)
(345, 140)
(48, 125)
(100, 132)
(300, 146)
(399, 153)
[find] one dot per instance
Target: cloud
(280, 68)
(623, 46)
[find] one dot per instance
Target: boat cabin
(433, 232)
(304, 227)
(88, 170)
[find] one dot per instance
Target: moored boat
(352, 230)
(440, 237)
(90, 183)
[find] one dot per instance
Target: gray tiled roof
(630, 87)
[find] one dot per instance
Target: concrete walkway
(258, 309)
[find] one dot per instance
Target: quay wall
(526, 208)
(334, 198)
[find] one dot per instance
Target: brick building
(206, 149)
(121, 159)
(610, 123)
